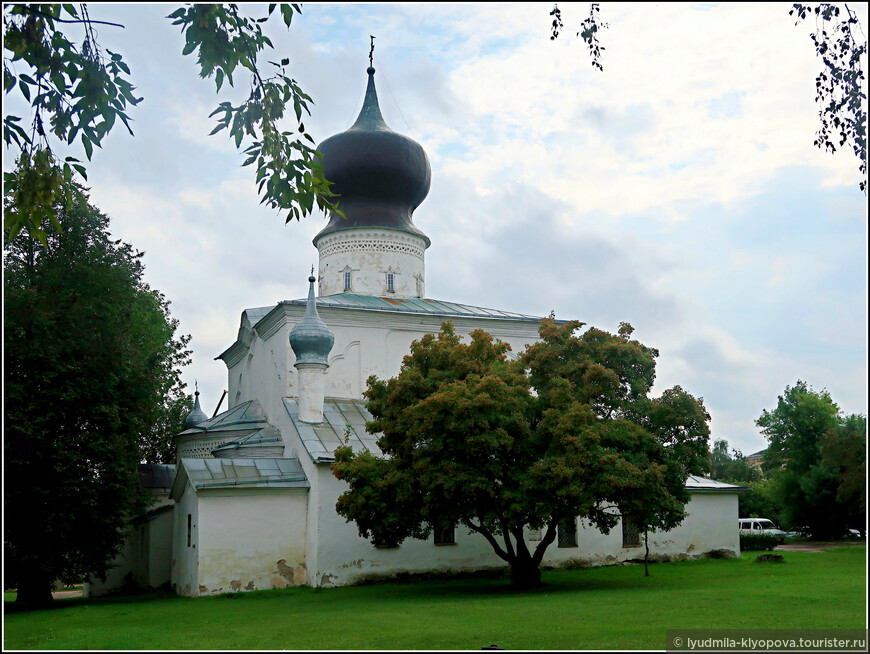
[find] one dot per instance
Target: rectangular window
(445, 535)
(534, 534)
(567, 535)
(390, 286)
(189, 526)
(347, 280)
(630, 533)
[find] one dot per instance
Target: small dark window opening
(630, 534)
(567, 533)
(347, 280)
(189, 528)
(445, 535)
(390, 284)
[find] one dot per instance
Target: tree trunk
(525, 574)
(34, 589)
(646, 553)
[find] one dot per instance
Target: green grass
(595, 608)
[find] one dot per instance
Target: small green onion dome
(311, 339)
(196, 416)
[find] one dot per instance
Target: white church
(250, 503)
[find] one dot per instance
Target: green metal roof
(248, 416)
(256, 473)
(320, 440)
(412, 305)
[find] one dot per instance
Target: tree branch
(37, 12)
(491, 539)
(507, 540)
(546, 541)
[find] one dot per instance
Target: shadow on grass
(479, 584)
(73, 602)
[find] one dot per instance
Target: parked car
(760, 526)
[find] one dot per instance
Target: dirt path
(819, 546)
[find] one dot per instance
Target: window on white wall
(630, 534)
(567, 534)
(445, 535)
(346, 280)
(391, 288)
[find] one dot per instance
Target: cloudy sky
(678, 190)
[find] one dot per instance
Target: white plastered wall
(369, 254)
(160, 531)
(251, 539)
(710, 524)
(185, 562)
(344, 557)
(366, 343)
(145, 554)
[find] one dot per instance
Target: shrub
(755, 542)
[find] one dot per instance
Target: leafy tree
(468, 442)
(844, 448)
(589, 29)
(91, 356)
(761, 502)
(839, 86)
(804, 484)
(158, 446)
(731, 467)
(80, 92)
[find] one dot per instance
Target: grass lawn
(595, 608)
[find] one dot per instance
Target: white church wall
(374, 343)
(251, 539)
(343, 557)
(710, 524)
(160, 531)
(185, 537)
(366, 257)
(126, 562)
(366, 343)
(145, 556)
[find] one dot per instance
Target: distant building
(755, 459)
(253, 495)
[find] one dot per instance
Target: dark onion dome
(311, 339)
(196, 416)
(380, 176)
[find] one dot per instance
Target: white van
(760, 526)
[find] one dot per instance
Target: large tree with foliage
(805, 483)
(91, 359)
(844, 449)
(77, 93)
(158, 445)
(469, 443)
(731, 467)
